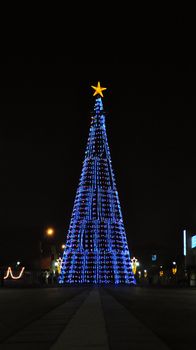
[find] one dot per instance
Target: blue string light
(96, 250)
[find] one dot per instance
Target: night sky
(45, 117)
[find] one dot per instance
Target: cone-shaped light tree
(96, 249)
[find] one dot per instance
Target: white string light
(10, 273)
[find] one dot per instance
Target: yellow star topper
(98, 89)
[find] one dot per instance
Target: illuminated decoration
(145, 274)
(96, 248)
(174, 268)
(134, 264)
(98, 89)
(7, 273)
(58, 264)
(154, 257)
(184, 242)
(139, 274)
(10, 273)
(161, 273)
(193, 241)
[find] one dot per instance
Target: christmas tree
(96, 249)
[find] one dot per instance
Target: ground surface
(98, 318)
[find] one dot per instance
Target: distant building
(189, 252)
(189, 248)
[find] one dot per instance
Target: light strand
(10, 273)
(96, 246)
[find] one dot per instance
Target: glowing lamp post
(47, 247)
(50, 232)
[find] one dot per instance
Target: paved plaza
(84, 318)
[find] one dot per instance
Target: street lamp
(50, 231)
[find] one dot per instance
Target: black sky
(45, 117)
